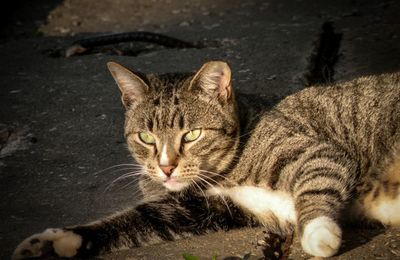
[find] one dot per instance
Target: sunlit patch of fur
(274, 209)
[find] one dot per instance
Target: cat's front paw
(321, 237)
(52, 241)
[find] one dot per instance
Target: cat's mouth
(173, 184)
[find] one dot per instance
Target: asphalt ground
(61, 121)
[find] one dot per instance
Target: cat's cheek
(321, 237)
(140, 152)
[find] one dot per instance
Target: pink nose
(167, 169)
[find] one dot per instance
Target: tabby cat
(322, 156)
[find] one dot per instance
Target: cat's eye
(147, 138)
(192, 135)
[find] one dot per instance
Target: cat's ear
(132, 87)
(214, 78)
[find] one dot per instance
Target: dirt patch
(13, 139)
(73, 17)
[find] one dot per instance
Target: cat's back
(368, 92)
(357, 119)
(370, 100)
(362, 116)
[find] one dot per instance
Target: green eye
(147, 138)
(192, 135)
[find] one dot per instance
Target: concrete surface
(62, 118)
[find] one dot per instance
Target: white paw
(53, 240)
(321, 237)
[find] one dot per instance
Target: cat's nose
(167, 169)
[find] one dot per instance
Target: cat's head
(182, 129)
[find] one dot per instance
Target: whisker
(248, 133)
(139, 190)
(145, 183)
(124, 169)
(124, 176)
(220, 195)
(216, 174)
(127, 175)
(129, 183)
(115, 166)
(201, 190)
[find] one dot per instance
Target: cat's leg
(321, 189)
(382, 202)
(167, 219)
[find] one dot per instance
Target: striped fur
(322, 156)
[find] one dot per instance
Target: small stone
(62, 30)
(101, 116)
(184, 24)
(76, 23)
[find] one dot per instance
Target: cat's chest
(260, 201)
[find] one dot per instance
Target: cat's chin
(174, 185)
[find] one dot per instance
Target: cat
(318, 158)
